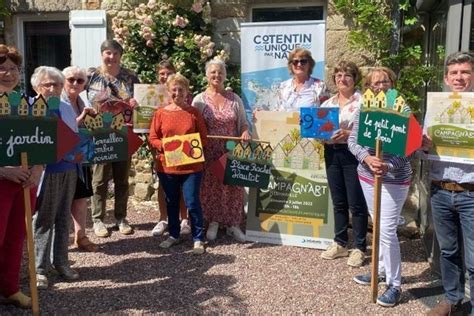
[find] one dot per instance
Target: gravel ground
(132, 275)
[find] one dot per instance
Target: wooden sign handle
(29, 242)
(236, 138)
(376, 227)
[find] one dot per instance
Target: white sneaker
(159, 228)
(198, 248)
(236, 233)
(212, 231)
(41, 281)
(185, 228)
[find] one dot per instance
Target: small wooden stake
(29, 242)
(376, 227)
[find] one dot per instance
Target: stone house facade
(28, 20)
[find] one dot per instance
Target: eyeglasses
(381, 82)
(343, 76)
(78, 80)
(302, 62)
(11, 70)
(48, 85)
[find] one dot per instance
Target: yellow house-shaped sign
(118, 121)
(4, 105)
(369, 98)
(238, 150)
(399, 104)
(23, 106)
(381, 100)
(267, 152)
(39, 107)
(247, 152)
(93, 123)
(258, 152)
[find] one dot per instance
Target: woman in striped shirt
(396, 174)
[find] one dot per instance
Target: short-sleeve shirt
(312, 94)
(104, 86)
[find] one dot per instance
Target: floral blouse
(348, 111)
(313, 93)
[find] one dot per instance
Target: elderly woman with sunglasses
(301, 90)
(53, 207)
(12, 204)
(75, 83)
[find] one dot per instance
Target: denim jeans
(453, 218)
(346, 193)
(190, 184)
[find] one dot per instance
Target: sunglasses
(302, 62)
(78, 80)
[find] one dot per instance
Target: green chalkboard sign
(34, 129)
(30, 135)
(246, 174)
(391, 128)
(110, 145)
(386, 117)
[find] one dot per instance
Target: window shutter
(88, 31)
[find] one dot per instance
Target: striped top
(399, 168)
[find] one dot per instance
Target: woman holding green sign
(395, 172)
(341, 169)
(12, 204)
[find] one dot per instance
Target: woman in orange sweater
(179, 118)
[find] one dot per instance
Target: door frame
(19, 27)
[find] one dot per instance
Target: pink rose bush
(155, 31)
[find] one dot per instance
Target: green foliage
(375, 29)
(158, 31)
(3, 9)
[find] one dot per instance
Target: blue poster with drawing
(319, 123)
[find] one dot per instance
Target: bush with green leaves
(158, 31)
(388, 32)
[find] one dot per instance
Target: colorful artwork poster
(449, 121)
(295, 208)
(116, 106)
(265, 47)
(319, 123)
(183, 150)
(248, 164)
(34, 129)
(149, 97)
(385, 117)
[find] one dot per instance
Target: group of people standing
(351, 170)
(194, 196)
(66, 186)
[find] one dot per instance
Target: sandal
(85, 244)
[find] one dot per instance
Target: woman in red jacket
(12, 204)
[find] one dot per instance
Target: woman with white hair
(224, 114)
(51, 221)
(75, 83)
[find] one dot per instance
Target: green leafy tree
(3, 9)
(387, 31)
(156, 31)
